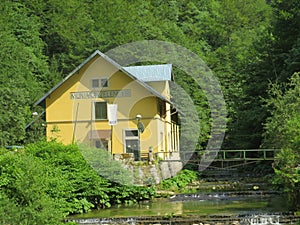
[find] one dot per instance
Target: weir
(263, 219)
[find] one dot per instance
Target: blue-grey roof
(151, 72)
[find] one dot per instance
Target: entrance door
(132, 142)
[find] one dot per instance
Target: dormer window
(99, 83)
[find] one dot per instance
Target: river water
(259, 206)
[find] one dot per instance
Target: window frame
(132, 138)
(95, 113)
(100, 82)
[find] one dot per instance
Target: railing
(230, 155)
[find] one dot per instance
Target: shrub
(85, 189)
(47, 181)
(24, 191)
(182, 179)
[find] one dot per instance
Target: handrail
(230, 155)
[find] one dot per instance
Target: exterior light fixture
(140, 125)
(138, 117)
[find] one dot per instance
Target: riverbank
(283, 218)
(226, 184)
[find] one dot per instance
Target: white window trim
(129, 138)
(99, 79)
(94, 111)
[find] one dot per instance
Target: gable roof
(151, 72)
(119, 67)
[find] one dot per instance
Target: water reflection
(197, 204)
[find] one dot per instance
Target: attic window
(99, 82)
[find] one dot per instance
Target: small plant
(182, 179)
(55, 133)
(169, 215)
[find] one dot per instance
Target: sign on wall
(112, 114)
(100, 94)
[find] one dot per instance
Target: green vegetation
(25, 191)
(42, 41)
(181, 180)
(283, 129)
(44, 182)
(252, 47)
(104, 164)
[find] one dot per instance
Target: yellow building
(121, 109)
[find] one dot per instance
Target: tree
(276, 59)
(43, 41)
(23, 67)
(286, 33)
(282, 130)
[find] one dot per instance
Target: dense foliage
(181, 180)
(46, 181)
(25, 190)
(248, 44)
(45, 40)
(283, 129)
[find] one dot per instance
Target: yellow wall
(74, 118)
(162, 87)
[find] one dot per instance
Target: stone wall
(150, 172)
(169, 168)
(147, 174)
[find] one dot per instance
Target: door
(132, 142)
(132, 146)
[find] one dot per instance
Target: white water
(261, 220)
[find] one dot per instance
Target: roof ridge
(118, 66)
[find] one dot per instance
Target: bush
(104, 164)
(24, 191)
(182, 179)
(85, 188)
(47, 180)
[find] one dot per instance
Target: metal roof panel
(151, 72)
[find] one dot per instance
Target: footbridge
(228, 158)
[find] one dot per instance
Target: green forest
(251, 46)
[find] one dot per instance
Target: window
(104, 82)
(99, 82)
(102, 143)
(95, 83)
(100, 110)
(131, 133)
(161, 108)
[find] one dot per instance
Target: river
(245, 207)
